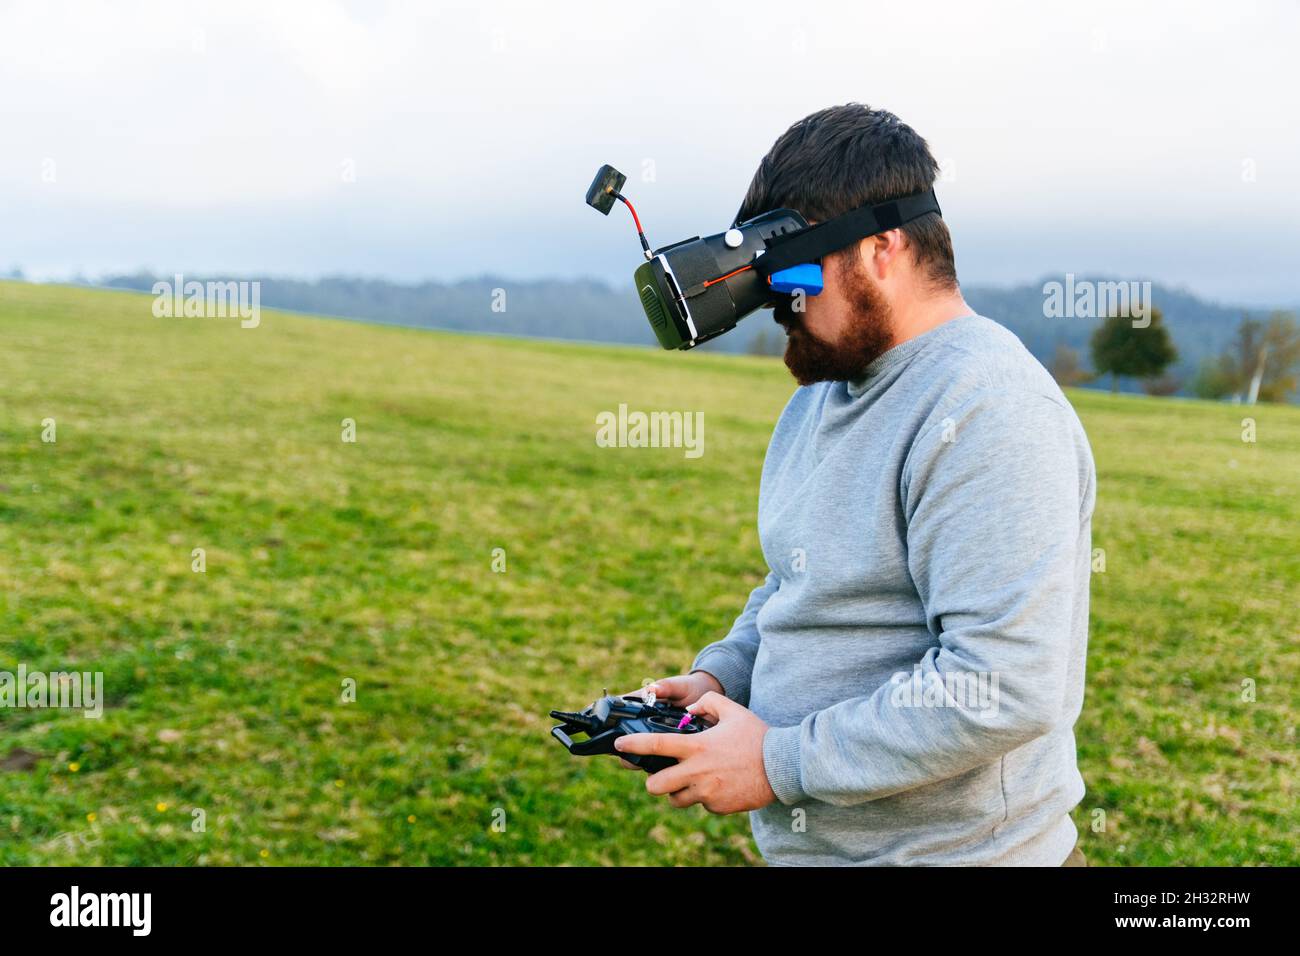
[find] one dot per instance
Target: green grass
(372, 561)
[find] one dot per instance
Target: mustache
(785, 316)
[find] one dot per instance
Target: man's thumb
(712, 705)
(667, 687)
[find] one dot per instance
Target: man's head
(823, 166)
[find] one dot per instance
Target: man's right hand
(680, 691)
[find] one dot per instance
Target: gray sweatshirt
(918, 645)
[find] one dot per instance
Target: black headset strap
(808, 245)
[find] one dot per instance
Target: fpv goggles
(697, 289)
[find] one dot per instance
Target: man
(902, 687)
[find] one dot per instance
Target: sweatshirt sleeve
(991, 499)
(731, 660)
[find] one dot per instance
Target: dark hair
(847, 156)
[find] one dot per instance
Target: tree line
(1261, 362)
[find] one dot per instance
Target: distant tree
(1120, 349)
(1215, 378)
(1066, 368)
(1268, 355)
(1281, 362)
(1263, 360)
(1241, 358)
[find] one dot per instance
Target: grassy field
(372, 561)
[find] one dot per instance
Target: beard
(868, 336)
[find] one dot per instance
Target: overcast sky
(1147, 140)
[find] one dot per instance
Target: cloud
(474, 127)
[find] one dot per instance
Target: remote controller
(612, 717)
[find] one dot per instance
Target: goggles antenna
(604, 190)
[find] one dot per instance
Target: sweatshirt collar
(905, 351)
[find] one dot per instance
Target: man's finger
(669, 780)
(671, 688)
(669, 745)
(712, 704)
(683, 798)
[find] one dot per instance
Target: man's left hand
(721, 767)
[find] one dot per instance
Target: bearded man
(902, 687)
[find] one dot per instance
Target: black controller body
(612, 717)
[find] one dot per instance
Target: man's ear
(883, 253)
(870, 250)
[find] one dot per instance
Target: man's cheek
(811, 325)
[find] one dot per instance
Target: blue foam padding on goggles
(807, 277)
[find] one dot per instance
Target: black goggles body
(699, 288)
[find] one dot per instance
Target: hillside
(372, 562)
(595, 312)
